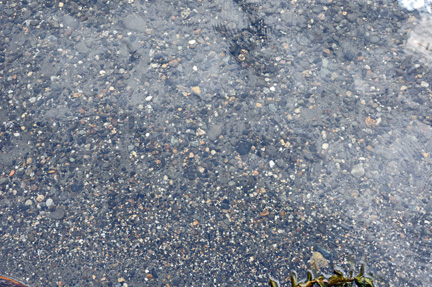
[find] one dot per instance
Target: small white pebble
(272, 164)
(200, 132)
(49, 202)
(325, 146)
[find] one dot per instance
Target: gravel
(136, 151)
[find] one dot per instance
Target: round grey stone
(357, 171)
(58, 214)
(214, 132)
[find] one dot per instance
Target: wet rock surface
(167, 162)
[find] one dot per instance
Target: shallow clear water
(139, 146)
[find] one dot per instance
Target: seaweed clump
(244, 43)
(337, 279)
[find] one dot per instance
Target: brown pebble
(196, 90)
(173, 63)
(40, 198)
(114, 122)
(370, 122)
(282, 214)
(318, 262)
(265, 212)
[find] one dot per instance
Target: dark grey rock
(58, 213)
(244, 147)
(3, 180)
(77, 187)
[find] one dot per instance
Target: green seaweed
(337, 279)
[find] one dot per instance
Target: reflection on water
(419, 5)
(419, 42)
(138, 144)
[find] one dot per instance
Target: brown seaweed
(337, 279)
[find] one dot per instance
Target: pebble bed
(135, 151)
